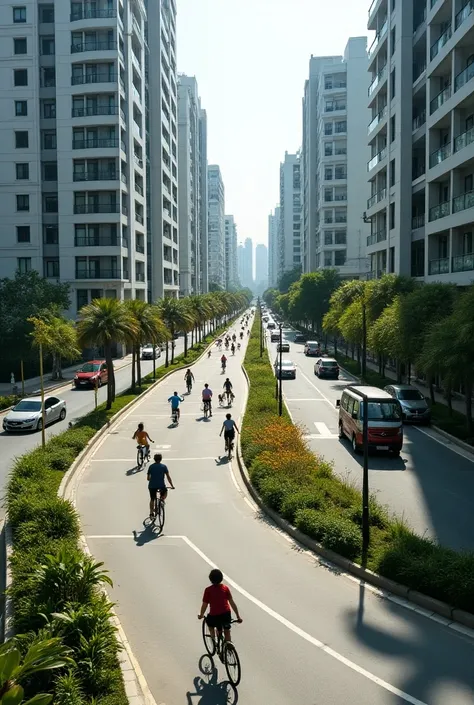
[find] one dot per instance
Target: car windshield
(89, 367)
(410, 395)
(287, 363)
(26, 405)
(329, 363)
(382, 411)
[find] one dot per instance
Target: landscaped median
(302, 488)
(55, 587)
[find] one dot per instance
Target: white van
(312, 348)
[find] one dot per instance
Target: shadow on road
(222, 460)
(149, 533)
(135, 470)
(208, 689)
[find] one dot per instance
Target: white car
(27, 416)
(287, 370)
(147, 352)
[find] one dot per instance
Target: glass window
(20, 77)
(383, 411)
(21, 108)
(340, 126)
(23, 233)
(50, 234)
(328, 194)
(50, 204)
(340, 172)
(328, 173)
(47, 46)
(51, 268)
(47, 13)
(22, 171)
(328, 128)
(328, 259)
(19, 15)
(391, 213)
(340, 237)
(20, 45)
(327, 149)
(339, 258)
(328, 237)
(21, 139)
(341, 215)
(49, 108)
(23, 202)
(50, 171)
(24, 264)
(82, 298)
(49, 139)
(48, 77)
(328, 217)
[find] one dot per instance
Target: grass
(303, 488)
(55, 586)
(8, 401)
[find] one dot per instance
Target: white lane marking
(317, 437)
(311, 399)
(447, 444)
(324, 431)
(131, 460)
(318, 390)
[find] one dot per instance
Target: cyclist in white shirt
(207, 397)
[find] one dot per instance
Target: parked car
(287, 370)
(385, 424)
(91, 373)
(415, 408)
(27, 414)
(326, 367)
(312, 348)
(300, 338)
(275, 337)
(265, 319)
(284, 347)
(147, 351)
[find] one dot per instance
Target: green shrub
(274, 490)
(332, 530)
(68, 690)
(75, 438)
(302, 499)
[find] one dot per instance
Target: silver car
(414, 405)
(27, 416)
(147, 352)
(287, 371)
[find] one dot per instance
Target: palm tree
(104, 322)
(175, 316)
(188, 321)
(149, 329)
(200, 308)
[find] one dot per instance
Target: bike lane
(310, 635)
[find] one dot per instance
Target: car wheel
(39, 425)
(355, 447)
(62, 415)
(341, 431)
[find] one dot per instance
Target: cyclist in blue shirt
(176, 400)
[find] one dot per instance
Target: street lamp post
(154, 361)
(365, 481)
(280, 391)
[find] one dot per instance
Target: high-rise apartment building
(261, 268)
(191, 162)
(204, 202)
(76, 140)
(247, 264)
(216, 227)
(421, 138)
(334, 155)
(289, 235)
(231, 268)
(273, 251)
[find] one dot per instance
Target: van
(385, 419)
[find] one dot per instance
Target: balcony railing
(463, 77)
(378, 79)
(439, 266)
(441, 98)
(377, 119)
(379, 236)
(91, 13)
(96, 143)
(463, 263)
(97, 274)
(463, 202)
(439, 155)
(139, 218)
(138, 161)
(419, 120)
(418, 69)
(96, 241)
(94, 78)
(440, 211)
(93, 46)
(85, 208)
(140, 248)
(95, 110)
(378, 39)
(464, 13)
(140, 276)
(101, 175)
(340, 196)
(439, 43)
(139, 189)
(464, 139)
(418, 221)
(377, 158)
(377, 197)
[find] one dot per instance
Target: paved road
(430, 485)
(310, 636)
(79, 402)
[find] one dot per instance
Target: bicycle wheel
(209, 642)
(232, 663)
(160, 514)
(139, 457)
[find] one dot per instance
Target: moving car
(312, 348)
(385, 424)
(284, 347)
(275, 337)
(147, 352)
(91, 373)
(27, 416)
(326, 367)
(415, 408)
(300, 338)
(271, 325)
(287, 370)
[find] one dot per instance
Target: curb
(428, 603)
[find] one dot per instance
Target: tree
(175, 316)
(287, 279)
(60, 340)
(310, 297)
(200, 310)
(270, 297)
(385, 335)
(149, 328)
(103, 323)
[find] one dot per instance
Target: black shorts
(154, 491)
(230, 435)
(219, 621)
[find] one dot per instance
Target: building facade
(273, 230)
(204, 268)
(247, 264)
(231, 268)
(190, 197)
(261, 268)
(216, 228)
(289, 233)
(333, 157)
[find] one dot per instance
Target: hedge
(55, 586)
(302, 487)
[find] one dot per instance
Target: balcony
(440, 211)
(377, 197)
(378, 39)
(377, 119)
(140, 276)
(138, 161)
(93, 46)
(139, 218)
(441, 98)
(464, 139)
(98, 241)
(463, 77)
(418, 221)
(139, 189)
(439, 43)
(419, 120)
(91, 13)
(88, 208)
(463, 263)
(463, 202)
(94, 78)
(101, 175)
(418, 69)
(439, 155)
(94, 111)
(439, 266)
(98, 143)
(377, 80)
(376, 159)
(464, 13)
(378, 236)
(97, 274)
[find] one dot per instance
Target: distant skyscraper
(247, 274)
(273, 229)
(216, 227)
(290, 214)
(261, 268)
(231, 269)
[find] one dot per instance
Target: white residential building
(74, 189)
(216, 227)
(204, 267)
(334, 156)
(421, 138)
(289, 234)
(273, 230)
(247, 264)
(261, 268)
(190, 197)
(231, 269)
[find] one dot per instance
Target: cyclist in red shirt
(219, 600)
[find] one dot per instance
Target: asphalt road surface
(310, 636)
(431, 485)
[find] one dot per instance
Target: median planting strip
(301, 490)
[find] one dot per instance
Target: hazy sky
(250, 58)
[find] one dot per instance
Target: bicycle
(229, 447)
(223, 368)
(225, 650)
(159, 512)
(206, 407)
(175, 416)
(143, 455)
(189, 386)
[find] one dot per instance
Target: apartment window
(50, 171)
(21, 139)
(392, 128)
(23, 202)
(50, 203)
(328, 173)
(341, 215)
(340, 258)
(20, 45)
(392, 85)
(328, 237)
(21, 108)
(328, 194)
(51, 268)
(19, 15)
(24, 264)
(48, 77)
(392, 173)
(48, 139)
(391, 216)
(49, 108)
(328, 128)
(340, 237)
(392, 5)
(328, 149)
(22, 172)
(468, 183)
(47, 46)
(328, 217)
(50, 234)
(340, 126)
(392, 41)
(328, 259)
(47, 14)
(340, 172)
(20, 77)
(23, 233)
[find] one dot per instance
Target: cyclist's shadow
(208, 688)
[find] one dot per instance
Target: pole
(22, 373)
(364, 341)
(96, 390)
(43, 413)
(280, 392)
(154, 361)
(365, 482)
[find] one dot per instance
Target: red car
(91, 373)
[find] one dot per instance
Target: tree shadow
(208, 690)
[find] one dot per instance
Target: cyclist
(156, 475)
(207, 397)
(232, 349)
(223, 362)
(227, 386)
(226, 344)
(142, 438)
(176, 400)
(234, 338)
(248, 333)
(229, 427)
(209, 353)
(238, 346)
(219, 600)
(189, 379)
(241, 335)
